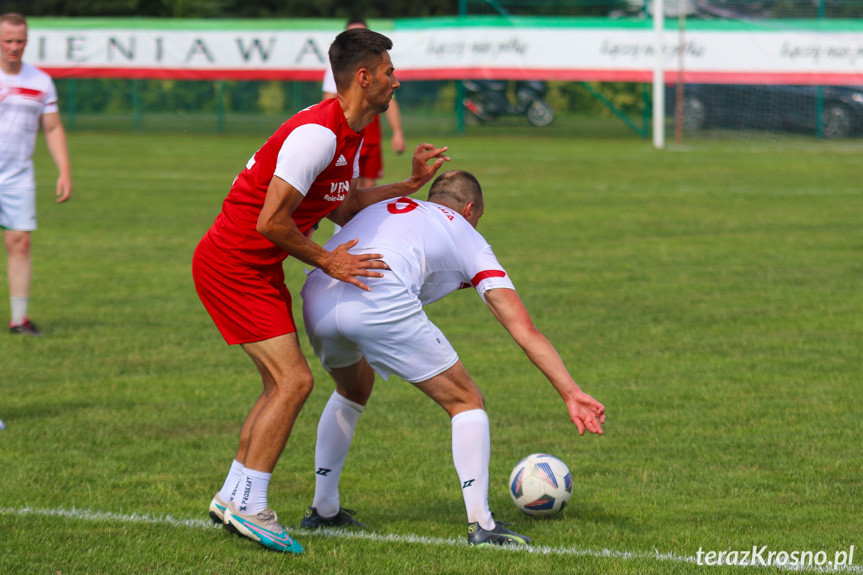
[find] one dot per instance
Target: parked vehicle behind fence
(772, 107)
(487, 100)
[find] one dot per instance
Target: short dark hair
(354, 49)
(456, 189)
(13, 19)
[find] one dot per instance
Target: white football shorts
(387, 326)
(18, 209)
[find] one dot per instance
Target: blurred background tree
(233, 8)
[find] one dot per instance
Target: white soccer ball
(540, 484)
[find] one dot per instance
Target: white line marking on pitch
(88, 515)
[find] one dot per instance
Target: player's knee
(289, 387)
(302, 386)
(360, 394)
(18, 245)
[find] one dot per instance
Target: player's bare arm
(276, 224)
(394, 117)
(584, 411)
(421, 172)
(55, 138)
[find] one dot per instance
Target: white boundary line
(89, 515)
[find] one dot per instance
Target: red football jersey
(316, 152)
(373, 132)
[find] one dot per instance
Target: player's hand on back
(347, 267)
(586, 413)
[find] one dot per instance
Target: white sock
(19, 309)
(251, 496)
(229, 488)
(471, 451)
(335, 432)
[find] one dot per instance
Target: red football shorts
(246, 303)
(371, 162)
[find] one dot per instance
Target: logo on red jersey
(338, 190)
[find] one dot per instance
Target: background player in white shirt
(431, 249)
(27, 99)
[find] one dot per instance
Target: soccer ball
(540, 484)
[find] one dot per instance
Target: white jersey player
(431, 249)
(24, 97)
(27, 100)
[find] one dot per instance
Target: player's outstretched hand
(421, 170)
(347, 267)
(586, 413)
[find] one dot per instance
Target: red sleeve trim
(485, 275)
(28, 93)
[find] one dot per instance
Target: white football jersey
(24, 97)
(431, 249)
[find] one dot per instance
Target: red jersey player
(306, 171)
(371, 156)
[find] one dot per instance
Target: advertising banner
(824, 52)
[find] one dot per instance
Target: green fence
(205, 106)
(428, 107)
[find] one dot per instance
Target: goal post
(659, 75)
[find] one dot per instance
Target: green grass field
(710, 296)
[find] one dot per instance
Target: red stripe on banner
(767, 78)
(598, 75)
(524, 74)
(559, 74)
(485, 275)
(175, 74)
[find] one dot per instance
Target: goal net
(817, 104)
